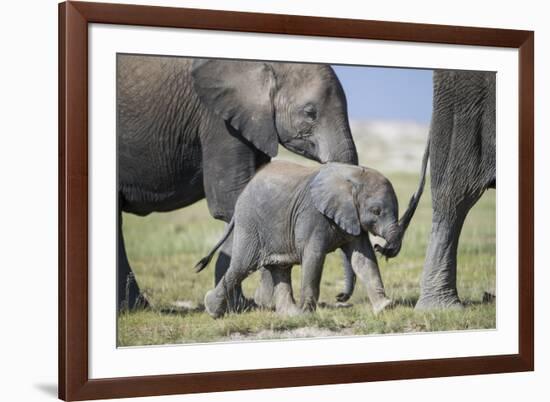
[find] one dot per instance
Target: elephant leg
(129, 296)
(282, 290)
(224, 259)
(452, 199)
(264, 292)
(349, 280)
(438, 284)
(225, 297)
(365, 265)
(462, 166)
(312, 269)
(242, 303)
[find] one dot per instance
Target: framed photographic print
(258, 200)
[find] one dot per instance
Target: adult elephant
(195, 128)
(462, 153)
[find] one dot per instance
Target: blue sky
(387, 93)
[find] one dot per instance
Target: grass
(164, 247)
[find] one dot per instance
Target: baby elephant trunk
(393, 236)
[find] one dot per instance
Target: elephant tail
(415, 199)
(206, 260)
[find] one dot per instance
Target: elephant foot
(489, 297)
(309, 305)
(214, 305)
(343, 297)
(243, 304)
(132, 298)
(384, 304)
(438, 303)
(142, 303)
(263, 300)
(237, 302)
(138, 303)
(290, 311)
(293, 311)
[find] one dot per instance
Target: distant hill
(390, 145)
(395, 146)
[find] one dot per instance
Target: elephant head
(358, 200)
(301, 106)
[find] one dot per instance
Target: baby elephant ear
(241, 93)
(332, 193)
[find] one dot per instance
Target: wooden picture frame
(74, 381)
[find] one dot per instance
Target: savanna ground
(164, 247)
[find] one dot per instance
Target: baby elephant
(290, 214)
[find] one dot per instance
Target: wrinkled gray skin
(189, 129)
(289, 214)
(461, 149)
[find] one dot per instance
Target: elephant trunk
(340, 148)
(393, 236)
(346, 153)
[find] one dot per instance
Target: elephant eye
(310, 112)
(376, 211)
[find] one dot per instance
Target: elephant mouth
(390, 247)
(387, 251)
(301, 149)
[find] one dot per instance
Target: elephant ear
(242, 94)
(332, 192)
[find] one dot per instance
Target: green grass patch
(164, 247)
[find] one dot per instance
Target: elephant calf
(290, 214)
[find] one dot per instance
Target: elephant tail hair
(415, 199)
(203, 263)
